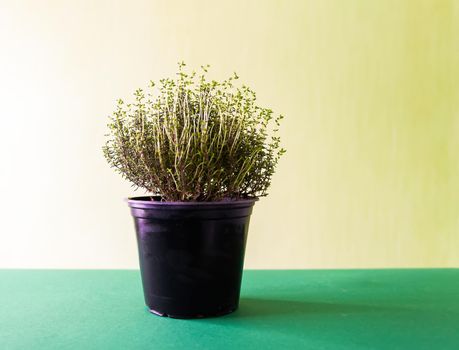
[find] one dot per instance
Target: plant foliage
(190, 139)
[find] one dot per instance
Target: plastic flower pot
(191, 254)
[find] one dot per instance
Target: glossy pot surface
(191, 254)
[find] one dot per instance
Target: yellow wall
(370, 90)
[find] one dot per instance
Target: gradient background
(370, 90)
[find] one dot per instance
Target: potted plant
(205, 152)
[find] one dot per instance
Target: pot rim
(143, 202)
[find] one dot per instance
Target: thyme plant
(191, 139)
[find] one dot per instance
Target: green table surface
(283, 309)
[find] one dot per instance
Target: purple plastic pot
(191, 254)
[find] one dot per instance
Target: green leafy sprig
(190, 139)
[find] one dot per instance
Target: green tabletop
(299, 309)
